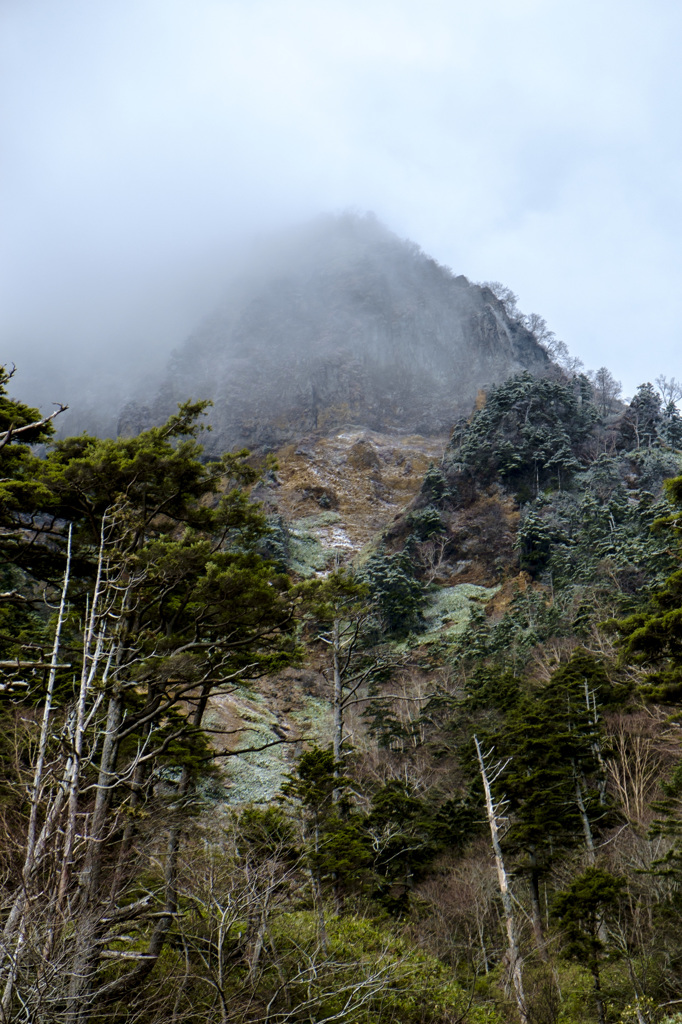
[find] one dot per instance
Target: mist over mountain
(340, 322)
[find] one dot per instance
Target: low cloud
(143, 141)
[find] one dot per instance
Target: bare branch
(13, 432)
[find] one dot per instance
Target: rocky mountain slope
(341, 323)
(328, 501)
(299, 771)
(337, 500)
(500, 530)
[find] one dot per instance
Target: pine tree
(583, 908)
(529, 433)
(21, 427)
(671, 426)
(178, 605)
(652, 638)
(404, 839)
(336, 849)
(540, 789)
(399, 596)
(553, 775)
(640, 425)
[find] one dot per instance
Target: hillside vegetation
(478, 818)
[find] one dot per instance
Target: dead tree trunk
(513, 953)
(15, 927)
(337, 701)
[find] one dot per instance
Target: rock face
(344, 487)
(342, 323)
(350, 354)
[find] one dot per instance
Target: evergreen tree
(539, 786)
(534, 542)
(21, 427)
(178, 606)
(652, 638)
(553, 783)
(528, 433)
(640, 424)
(671, 426)
(404, 840)
(583, 908)
(335, 844)
(398, 594)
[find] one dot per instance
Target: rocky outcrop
(343, 324)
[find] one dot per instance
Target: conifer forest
(480, 819)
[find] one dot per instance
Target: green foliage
(337, 849)
(184, 605)
(671, 825)
(550, 738)
(159, 472)
(531, 618)
(640, 424)
(425, 522)
(383, 853)
(411, 986)
(383, 724)
(265, 832)
(275, 545)
(210, 604)
(597, 535)
(491, 687)
(582, 907)
(539, 782)
(153, 485)
(528, 433)
(313, 782)
(652, 638)
(434, 486)
(340, 595)
(533, 542)
(405, 842)
(190, 551)
(582, 684)
(398, 595)
(670, 429)
(653, 466)
(17, 461)
(673, 489)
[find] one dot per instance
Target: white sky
(533, 142)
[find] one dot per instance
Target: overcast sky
(528, 141)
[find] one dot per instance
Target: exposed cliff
(342, 323)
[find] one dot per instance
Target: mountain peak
(341, 322)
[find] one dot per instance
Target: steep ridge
(341, 323)
(349, 354)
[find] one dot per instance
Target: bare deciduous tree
(607, 390)
(669, 390)
(506, 296)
